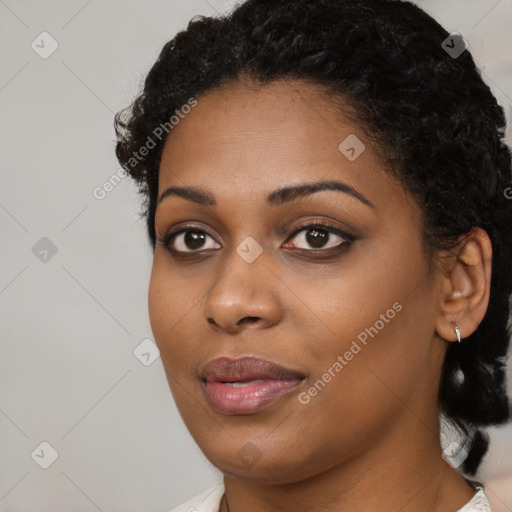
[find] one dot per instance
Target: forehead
(243, 139)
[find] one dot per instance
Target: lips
(225, 369)
(246, 385)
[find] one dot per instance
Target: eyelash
(167, 238)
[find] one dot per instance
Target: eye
(188, 240)
(319, 236)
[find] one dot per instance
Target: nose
(243, 296)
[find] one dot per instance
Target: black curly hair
(428, 115)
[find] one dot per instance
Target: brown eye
(318, 237)
(190, 240)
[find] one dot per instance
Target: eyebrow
(275, 198)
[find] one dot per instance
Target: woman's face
(349, 309)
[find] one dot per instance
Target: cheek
(161, 304)
(372, 334)
(171, 305)
(350, 402)
(353, 307)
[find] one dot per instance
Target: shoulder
(479, 503)
(206, 501)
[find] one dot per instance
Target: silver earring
(457, 332)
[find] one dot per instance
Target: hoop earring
(457, 332)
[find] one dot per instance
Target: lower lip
(247, 398)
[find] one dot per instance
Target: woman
(326, 194)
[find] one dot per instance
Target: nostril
(248, 319)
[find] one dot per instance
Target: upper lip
(226, 369)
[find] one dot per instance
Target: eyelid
(313, 223)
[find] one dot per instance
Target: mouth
(246, 385)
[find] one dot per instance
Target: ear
(465, 284)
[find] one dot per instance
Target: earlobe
(465, 286)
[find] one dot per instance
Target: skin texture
(369, 440)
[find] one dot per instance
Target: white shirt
(209, 501)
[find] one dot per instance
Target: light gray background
(68, 374)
